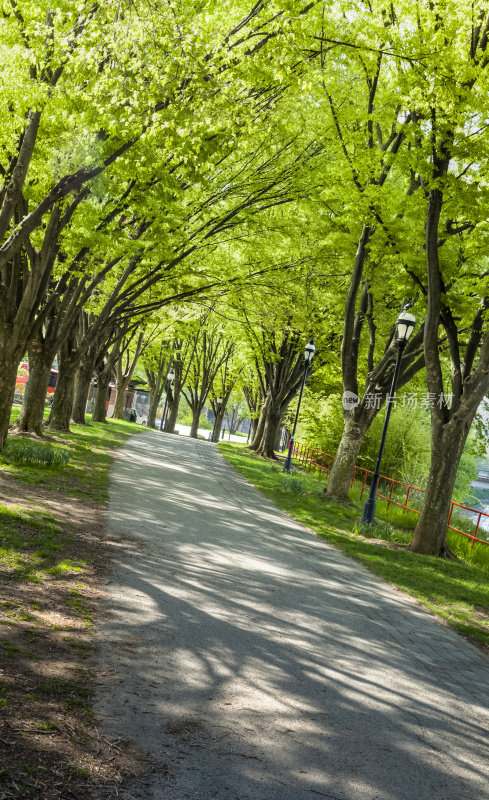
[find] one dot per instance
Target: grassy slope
(456, 591)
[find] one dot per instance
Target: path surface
(256, 662)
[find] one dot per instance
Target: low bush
(292, 483)
(382, 530)
(374, 530)
(25, 452)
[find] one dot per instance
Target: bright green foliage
(234, 152)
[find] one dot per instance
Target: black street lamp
(405, 324)
(170, 384)
(218, 413)
(309, 351)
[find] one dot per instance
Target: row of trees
(302, 169)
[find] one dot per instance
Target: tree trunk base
(264, 453)
(337, 500)
(17, 429)
(26, 434)
(445, 552)
(59, 428)
(338, 497)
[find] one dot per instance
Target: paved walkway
(256, 662)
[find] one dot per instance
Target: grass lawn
(53, 493)
(458, 591)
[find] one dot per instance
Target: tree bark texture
(121, 387)
(271, 429)
(156, 382)
(194, 428)
(60, 417)
(171, 417)
(357, 423)
(259, 427)
(8, 375)
(100, 409)
(83, 379)
(154, 399)
(447, 444)
(195, 424)
(104, 368)
(218, 425)
(123, 377)
(31, 417)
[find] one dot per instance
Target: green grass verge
(31, 541)
(456, 591)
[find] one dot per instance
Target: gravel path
(256, 662)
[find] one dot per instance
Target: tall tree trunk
(104, 369)
(357, 423)
(447, 444)
(218, 425)
(60, 417)
(100, 409)
(153, 407)
(259, 427)
(171, 419)
(194, 428)
(278, 438)
(8, 375)
(271, 429)
(123, 378)
(156, 382)
(31, 417)
(121, 387)
(82, 386)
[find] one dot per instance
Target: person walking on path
(254, 661)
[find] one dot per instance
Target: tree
(44, 188)
(224, 383)
(372, 132)
(104, 368)
(156, 366)
(450, 158)
(236, 415)
(359, 415)
(280, 367)
(208, 352)
(124, 370)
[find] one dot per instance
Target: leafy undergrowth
(52, 555)
(455, 590)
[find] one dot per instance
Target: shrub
(382, 530)
(28, 453)
(374, 530)
(292, 483)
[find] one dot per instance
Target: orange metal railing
(315, 459)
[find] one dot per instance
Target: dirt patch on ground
(49, 746)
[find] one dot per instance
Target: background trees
(251, 174)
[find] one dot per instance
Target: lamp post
(218, 414)
(170, 384)
(405, 324)
(309, 351)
